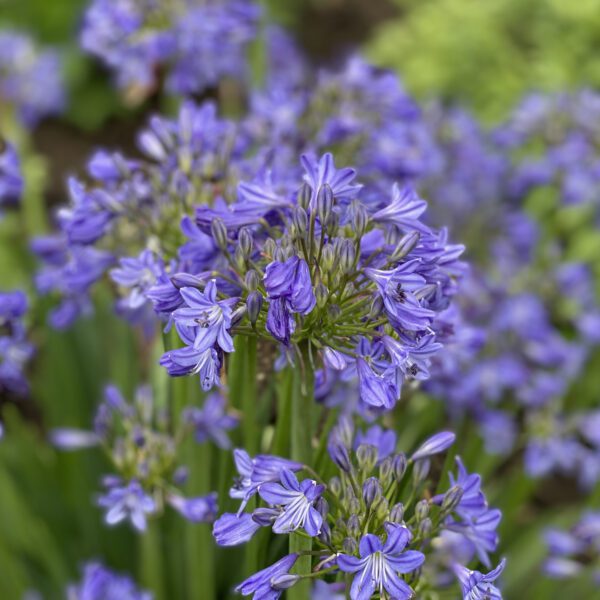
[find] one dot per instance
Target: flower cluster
(309, 263)
(183, 41)
(575, 551)
(15, 349)
(378, 520)
(30, 79)
(11, 178)
(100, 583)
(142, 443)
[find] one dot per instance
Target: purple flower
(434, 445)
(210, 318)
(100, 583)
(264, 583)
(378, 391)
(11, 179)
(380, 563)
(234, 529)
(202, 509)
(73, 439)
(472, 502)
(323, 171)
(127, 502)
(298, 501)
(13, 305)
(382, 439)
(212, 422)
(476, 585)
(139, 275)
(404, 210)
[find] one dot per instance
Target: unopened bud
(422, 509)
(397, 513)
(219, 232)
(421, 470)
(181, 280)
(372, 491)
(349, 546)
(385, 471)
(300, 220)
(265, 517)
(382, 508)
(406, 245)
(361, 219)
(245, 241)
(321, 294)
(354, 505)
(425, 528)
(376, 307)
(335, 486)
(239, 259)
(279, 254)
(254, 303)
(325, 534)
(304, 196)
(269, 248)
(251, 280)
(340, 456)
(452, 499)
(366, 455)
(347, 256)
(322, 506)
(353, 526)
(327, 258)
(238, 315)
(324, 203)
(399, 464)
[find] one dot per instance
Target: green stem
(151, 560)
(301, 427)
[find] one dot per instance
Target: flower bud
(434, 445)
(422, 509)
(340, 456)
(322, 506)
(219, 232)
(325, 534)
(420, 471)
(372, 492)
(245, 242)
(304, 196)
(366, 455)
(327, 258)
(382, 508)
(335, 486)
(251, 280)
(353, 526)
(361, 219)
(181, 280)
(239, 259)
(397, 513)
(300, 220)
(324, 203)
(238, 315)
(406, 245)
(399, 464)
(254, 303)
(180, 476)
(354, 506)
(385, 471)
(349, 546)
(452, 499)
(284, 582)
(347, 256)
(279, 254)
(321, 294)
(425, 528)
(269, 248)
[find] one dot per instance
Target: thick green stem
(301, 429)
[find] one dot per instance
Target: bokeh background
(482, 55)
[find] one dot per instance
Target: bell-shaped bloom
(202, 509)
(233, 529)
(404, 210)
(297, 500)
(380, 563)
(476, 585)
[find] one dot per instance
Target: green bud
(376, 307)
(251, 280)
(245, 242)
(385, 471)
(361, 219)
(397, 513)
(422, 509)
(300, 220)
(335, 486)
(327, 258)
(399, 465)
(452, 499)
(406, 245)
(420, 471)
(347, 256)
(353, 526)
(324, 203)
(425, 528)
(239, 259)
(383, 508)
(321, 294)
(366, 455)
(219, 233)
(269, 248)
(304, 196)
(349, 546)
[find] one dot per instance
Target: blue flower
(139, 275)
(100, 583)
(323, 171)
(11, 178)
(233, 529)
(212, 422)
(404, 210)
(476, 585)
(127, 502)
(434, 445)
(378, 391)
(382, 439)
(210, 317)
(380, 563)
(202, 509)
(264, 583)
(253, 472)
(298, 501)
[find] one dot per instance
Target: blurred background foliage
(487, 54)
(484, 54)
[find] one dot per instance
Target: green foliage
(487, 54)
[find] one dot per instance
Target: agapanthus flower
(478, 585)
(212, 421)
(380, 563)
(100, 583)
(266, 585)
(11, 178)
(127, 502)
(30, 78)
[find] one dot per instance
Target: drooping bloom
(380, 563)
(265, 584)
